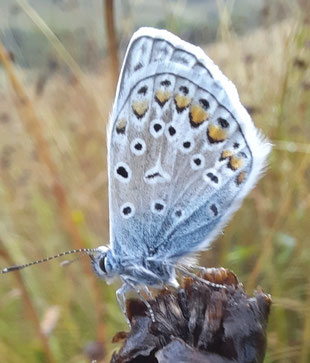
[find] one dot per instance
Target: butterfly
(182, 154)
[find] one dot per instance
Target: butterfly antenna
(19, 267)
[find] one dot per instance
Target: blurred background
(58, 70)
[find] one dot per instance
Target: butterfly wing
(183, 151)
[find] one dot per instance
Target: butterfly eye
(102, 262)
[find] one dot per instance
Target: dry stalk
(32, 125)
(111, 37)
(29, 307)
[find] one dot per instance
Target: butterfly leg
(147, 291)
(121, 298)
(199, 268)
(147, 304)
(206, 282)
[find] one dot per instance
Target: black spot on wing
(138, 66)
(213, 178)
(214, 209)
(184, 90)
(126, 210)
(157, 127)
(165, 83)
(122, 172)
(142, 90)
(171, 131)
(159, 206)
(204, 103)
(224, 123)
(154, 175)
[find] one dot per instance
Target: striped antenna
(19, 267)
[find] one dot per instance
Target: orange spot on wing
(235, 163)
(181, 102)
(226, 154)
(198, 115)
(121, 126)
(216, 134)
(241, 178)
(140, 108)
(162, 97)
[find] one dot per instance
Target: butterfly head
(103, 262)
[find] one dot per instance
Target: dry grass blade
(305, 349)
(30, 308)
(111, 37)
(52, 38)
(267, 248)
(63, 53)
(33, 126)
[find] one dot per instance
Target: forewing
(183, 152)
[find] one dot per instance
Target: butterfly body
(182, 154)
(136, 271)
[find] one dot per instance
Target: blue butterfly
(182, 154)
